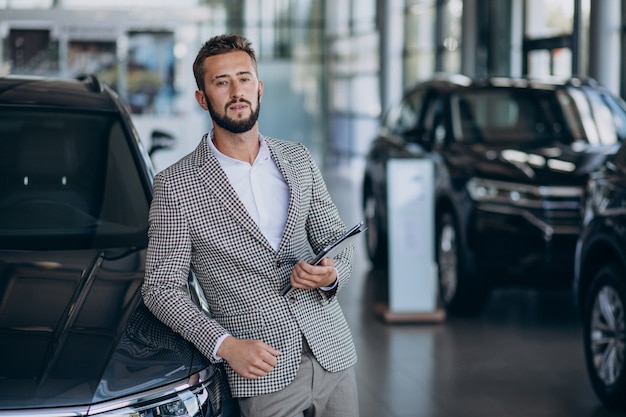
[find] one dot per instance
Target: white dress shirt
(261, 188)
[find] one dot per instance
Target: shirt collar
(263, 155)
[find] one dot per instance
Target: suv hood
(540, 165)
(74, 331)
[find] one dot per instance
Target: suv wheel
(604, 324)
(375, 237)
(458, 291)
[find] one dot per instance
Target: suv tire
(375, 237)
(604, 326)
(459, 293)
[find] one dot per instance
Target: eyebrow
(228, 75)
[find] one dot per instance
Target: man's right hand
(249, 358)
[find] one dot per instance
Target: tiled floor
(522, 357)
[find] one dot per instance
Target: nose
(236, 91)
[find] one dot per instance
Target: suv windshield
(68, 181)
(507, 116)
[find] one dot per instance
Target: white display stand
(412, 268)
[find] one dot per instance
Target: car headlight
(524, 195)
(171, 401)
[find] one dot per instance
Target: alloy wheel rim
(448, 261)
(607, 333)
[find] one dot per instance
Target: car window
(610, 116)
(507, 116)
(434, 120)
(599, 117)
(618, 112)
(69, 181)
(574, 114)
(403, 118)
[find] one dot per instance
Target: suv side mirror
(161, 140)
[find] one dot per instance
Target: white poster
(412, 271)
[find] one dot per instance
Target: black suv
(600, 280)
(75, 189)
(511, 158)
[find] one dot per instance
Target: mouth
(238, 106)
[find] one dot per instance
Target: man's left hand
(307, 276)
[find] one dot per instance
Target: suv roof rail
(578, 80)
(92, 82)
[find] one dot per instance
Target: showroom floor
(522, 357)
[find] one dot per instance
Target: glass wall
(353, 77)
(420, 40)
(287, 36)
(433, 38)
(553, 45)
(146, 51)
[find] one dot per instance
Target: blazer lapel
(289, 171)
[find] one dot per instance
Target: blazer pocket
(245, 325)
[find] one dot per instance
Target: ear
(260, 90)
(201, 99)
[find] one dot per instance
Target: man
(245, 212)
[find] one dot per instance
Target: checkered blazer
(197, 221)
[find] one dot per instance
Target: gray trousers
(314, 392)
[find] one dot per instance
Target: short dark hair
(217, 45)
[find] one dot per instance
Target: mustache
(237, 100)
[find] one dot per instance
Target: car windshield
(507, 116)
(68, 181)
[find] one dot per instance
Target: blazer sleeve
(165, 286)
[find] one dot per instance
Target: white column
(391, 52)
(469, 43)
(604, 43)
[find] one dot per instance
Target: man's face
(232, 92)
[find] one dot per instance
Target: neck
(241, 146)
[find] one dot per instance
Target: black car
(75, 189)
(511, 158)
(600, 280)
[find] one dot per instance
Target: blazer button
(292, 299)
(277, 264)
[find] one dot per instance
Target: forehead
(228, 64)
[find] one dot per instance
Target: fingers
(307, 276)
(251, 359)
(261, 362)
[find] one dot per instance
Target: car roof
(84, 93)
(453, 82)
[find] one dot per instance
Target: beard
(233, 125)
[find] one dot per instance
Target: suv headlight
(524, 195)
(171, 401)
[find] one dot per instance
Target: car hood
(541, 165)
(74, 330)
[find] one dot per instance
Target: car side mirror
(161, 140)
